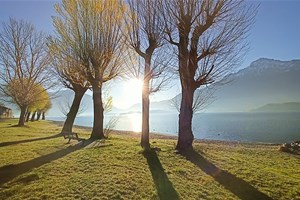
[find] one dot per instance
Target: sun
(135, 85)
(131, 93)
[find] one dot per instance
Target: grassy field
(35, 163)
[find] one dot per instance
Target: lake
(245, 127)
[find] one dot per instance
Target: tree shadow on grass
(236, 185)
(163, 185)
(3, 144)
(9, 172)
(16, 125)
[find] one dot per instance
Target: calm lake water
(246, 127)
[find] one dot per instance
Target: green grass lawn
(37, 164)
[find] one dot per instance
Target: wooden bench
(72, 136)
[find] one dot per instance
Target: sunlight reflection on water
(247, 127)
(136, 121)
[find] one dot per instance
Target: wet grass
(35, 165)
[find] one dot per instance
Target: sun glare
(131, 93)
(135, 84)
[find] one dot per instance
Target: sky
(275, 34)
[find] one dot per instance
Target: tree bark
(97, 132)
(43, 116)
(38, 116)
(68, 125)
(145, 102)
(27, 116)
(22, 116)
(145, 118)
(145, 105)
(33, 116)
(186, 72)
(185, 136)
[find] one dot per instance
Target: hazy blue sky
(275, 34)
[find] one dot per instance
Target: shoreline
(155, 135)
(35, 158)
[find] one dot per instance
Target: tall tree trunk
(97, 132)
(68, 125)
(33, 116)
(145, 105)
(22, 116)
(38, 116)
(27, 116)
(187, 73)
(145, 117)
(43, 116)
(186, 137)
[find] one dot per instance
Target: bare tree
(209, 37)
(110, 125)
(145, 25)
(93, 31)
(23, 64)
(107, 106)
(107, 100)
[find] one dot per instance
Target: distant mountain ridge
(279, 107)
(263, 82)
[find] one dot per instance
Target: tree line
(196, 41)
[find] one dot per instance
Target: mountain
(264, 81)
(279, 107)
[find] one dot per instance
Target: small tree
(45, 109)
(107, 106)
(43, 103)
(209, 37)
(23, 64)
(41, 99)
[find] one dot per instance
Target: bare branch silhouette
(209, 39)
